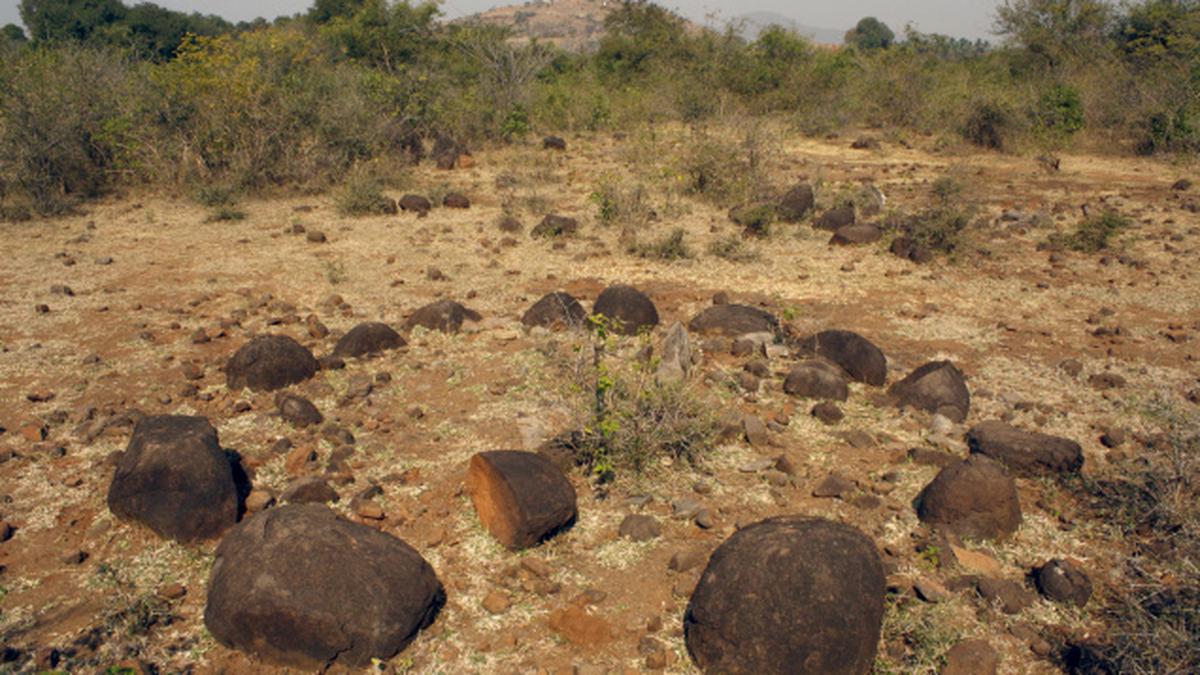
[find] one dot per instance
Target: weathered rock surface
(1025, 453)
(788, 595)
(733, 320)
(973, 498)
(446, 316)
(858, 356)
(298, 411)
(628, 309)
(815, 378)
(298, 586)
(175, 479)
(1063, 581)
(269, 362)
(937, 387)
(796, 203)
(555, 310)
(367, 339)
(522, 498)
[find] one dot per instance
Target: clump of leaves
(216, 196)
(732, 248)
(1093, 233)
(670, 247)
(938, 228)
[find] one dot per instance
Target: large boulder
(446, 316)
(858, 356)
(790, 594)
(835, 219)
(973, 498)
(859, 233)
(175, 479)
(522, 498)
(796, 203)
(555, 310)
(733, 320)
(367, 339)
(270, 362)
(1025, 453)
(628, 309)
(816, 378)
(298, 586)
(937, 387)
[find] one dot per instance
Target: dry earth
(147, 272)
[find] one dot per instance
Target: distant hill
(571, 24)
(755, 22)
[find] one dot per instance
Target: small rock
(496, 602)
(971, 657)
(833, 485)
(638, 527)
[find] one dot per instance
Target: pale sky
(960, 18)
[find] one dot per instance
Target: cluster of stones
(278, 587)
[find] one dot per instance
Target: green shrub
(362, 195)
(67, 130)
(987, 126)
(732, 248)
(216, 195)
(1094, 233)
(1060, 111)
(670, 247)
(756, 218)
(630, 420)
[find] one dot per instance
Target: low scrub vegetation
(631, 421)
(133, 94)
(1093, 233)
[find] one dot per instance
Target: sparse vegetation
(670, 246)
(1153, 615)
(1093, 233)
(362, 195)
(630, 420)
(732, 248)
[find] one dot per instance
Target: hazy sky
(965, 18)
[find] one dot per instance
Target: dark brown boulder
(175, 479)
(446, 316)
(269, 362)
(308, 490)
(733, 320)
(973, 498)
(628, 309)
(555, 310)
(858, 356)
(415, 203)
(788, 595)
(971, 657)
(861, 233)
(835, 219)
(1025, 453)
(298, 586)
(936, 387)
(1063, 581)
(554, 143)
(555, 226)
(367, 339)
(796, 203)
(815, 378)
(522, 498)
(297, 410)
(456, 200)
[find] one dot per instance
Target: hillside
(570, 24)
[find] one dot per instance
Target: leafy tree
(637, 34)
(324, 11)
(12, 33)
(385, 35)
(1159, 30)
(155, 33)
(870, 34)
(1056, 30)
(53, 20)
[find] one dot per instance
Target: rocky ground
(135, 305)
